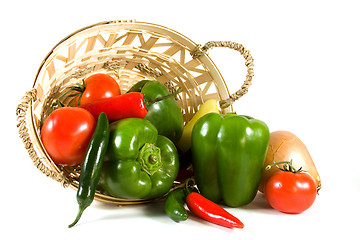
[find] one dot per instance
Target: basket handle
(249, 62)
(21, 110)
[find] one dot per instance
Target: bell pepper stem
(190, 186)
(158, 99)
(150, 158)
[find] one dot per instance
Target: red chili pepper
(210, 211)
(118, 107)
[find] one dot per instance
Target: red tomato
(98, 86)
(290, 192)
(66, 134)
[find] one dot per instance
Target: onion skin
(286, 146)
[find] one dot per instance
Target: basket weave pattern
(129, 51)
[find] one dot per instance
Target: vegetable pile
(135, 145)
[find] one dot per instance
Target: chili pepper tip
(81, 210)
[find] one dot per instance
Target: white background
(307, 70)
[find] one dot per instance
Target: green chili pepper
(174, 204)
(165, 115)
(228, 154)
(92, 165)
(141, 164)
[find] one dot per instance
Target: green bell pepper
(166, 114)
(140, 164)
(228, 154)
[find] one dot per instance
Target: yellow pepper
(208, 106)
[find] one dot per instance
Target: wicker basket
(129, 51)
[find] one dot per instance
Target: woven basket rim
(123, 22)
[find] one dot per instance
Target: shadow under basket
(129, 51)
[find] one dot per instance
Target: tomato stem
(287, 167)
(80, 88)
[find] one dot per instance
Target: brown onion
(286, 146)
